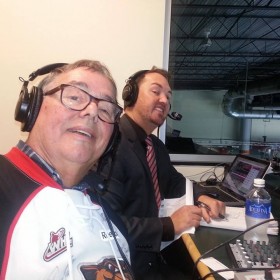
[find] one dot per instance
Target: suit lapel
(127, 129)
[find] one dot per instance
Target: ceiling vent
(262, 101)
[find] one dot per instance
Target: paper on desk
(169, 206)
(235, 220)
(216, 265)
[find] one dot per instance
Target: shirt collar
(40, 161)
(140, 132)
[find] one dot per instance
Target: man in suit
(131, 191)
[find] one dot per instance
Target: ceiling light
(206, 42)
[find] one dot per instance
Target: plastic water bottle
(258, 207)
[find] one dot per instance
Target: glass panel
(224, 59)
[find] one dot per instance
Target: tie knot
(148, 141)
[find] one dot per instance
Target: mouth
(81, 132)
(160, 109)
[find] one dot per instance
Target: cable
(228, 241)
(212, 173)
(208, 170)
(237, 270)
(114, 235)
(98, 185)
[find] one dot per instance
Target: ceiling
(243, 47)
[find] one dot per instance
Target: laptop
(239, 180)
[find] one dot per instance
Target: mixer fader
(255, 255)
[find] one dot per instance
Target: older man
(50, 229)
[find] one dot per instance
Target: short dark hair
(154, 69)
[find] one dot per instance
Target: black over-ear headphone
(130, 90)
(29, 103)
(113, 143)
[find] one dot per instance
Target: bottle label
(260, 211)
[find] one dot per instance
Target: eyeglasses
(77, 99)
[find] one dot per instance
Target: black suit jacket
(131, 193)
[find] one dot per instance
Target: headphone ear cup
(130, 93)
(21, 109)
(35, 102)
(110, 152)
(130, 90)
(114, 141)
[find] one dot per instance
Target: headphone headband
(45, 70)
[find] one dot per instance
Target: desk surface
(205, 239)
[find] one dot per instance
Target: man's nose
(92, 109)
(164, 99)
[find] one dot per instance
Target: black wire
(228, 241)
(114, 235)
(110, 156)
(206, 171)
(238, 269)
(212, 173)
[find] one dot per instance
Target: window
(224, 61)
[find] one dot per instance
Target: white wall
(126, 35)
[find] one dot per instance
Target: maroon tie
(153, 168)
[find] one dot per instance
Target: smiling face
(67, 139)
(153, 102)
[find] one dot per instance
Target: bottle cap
(259, 182)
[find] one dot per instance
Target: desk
(206, 238)
(187, 250)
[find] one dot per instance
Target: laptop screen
(242, 172)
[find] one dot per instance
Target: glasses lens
(74, 98)
(108, 112)
(77, 99)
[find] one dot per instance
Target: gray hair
(91, 65)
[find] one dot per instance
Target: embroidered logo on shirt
(105, 236)
(57, 245)
(107, 269)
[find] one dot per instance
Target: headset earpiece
(114, 141)
(29, 103)
(111, 150)
(22, 104)
(130, 90)
(129, 94)
(36, 99)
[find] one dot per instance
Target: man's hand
(186, 217)
(217, 207)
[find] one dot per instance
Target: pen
(203, 205)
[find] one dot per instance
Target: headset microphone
(175, 116)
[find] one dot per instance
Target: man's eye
(104, 111)
(73, 98)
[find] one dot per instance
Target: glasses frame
(61, 87)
